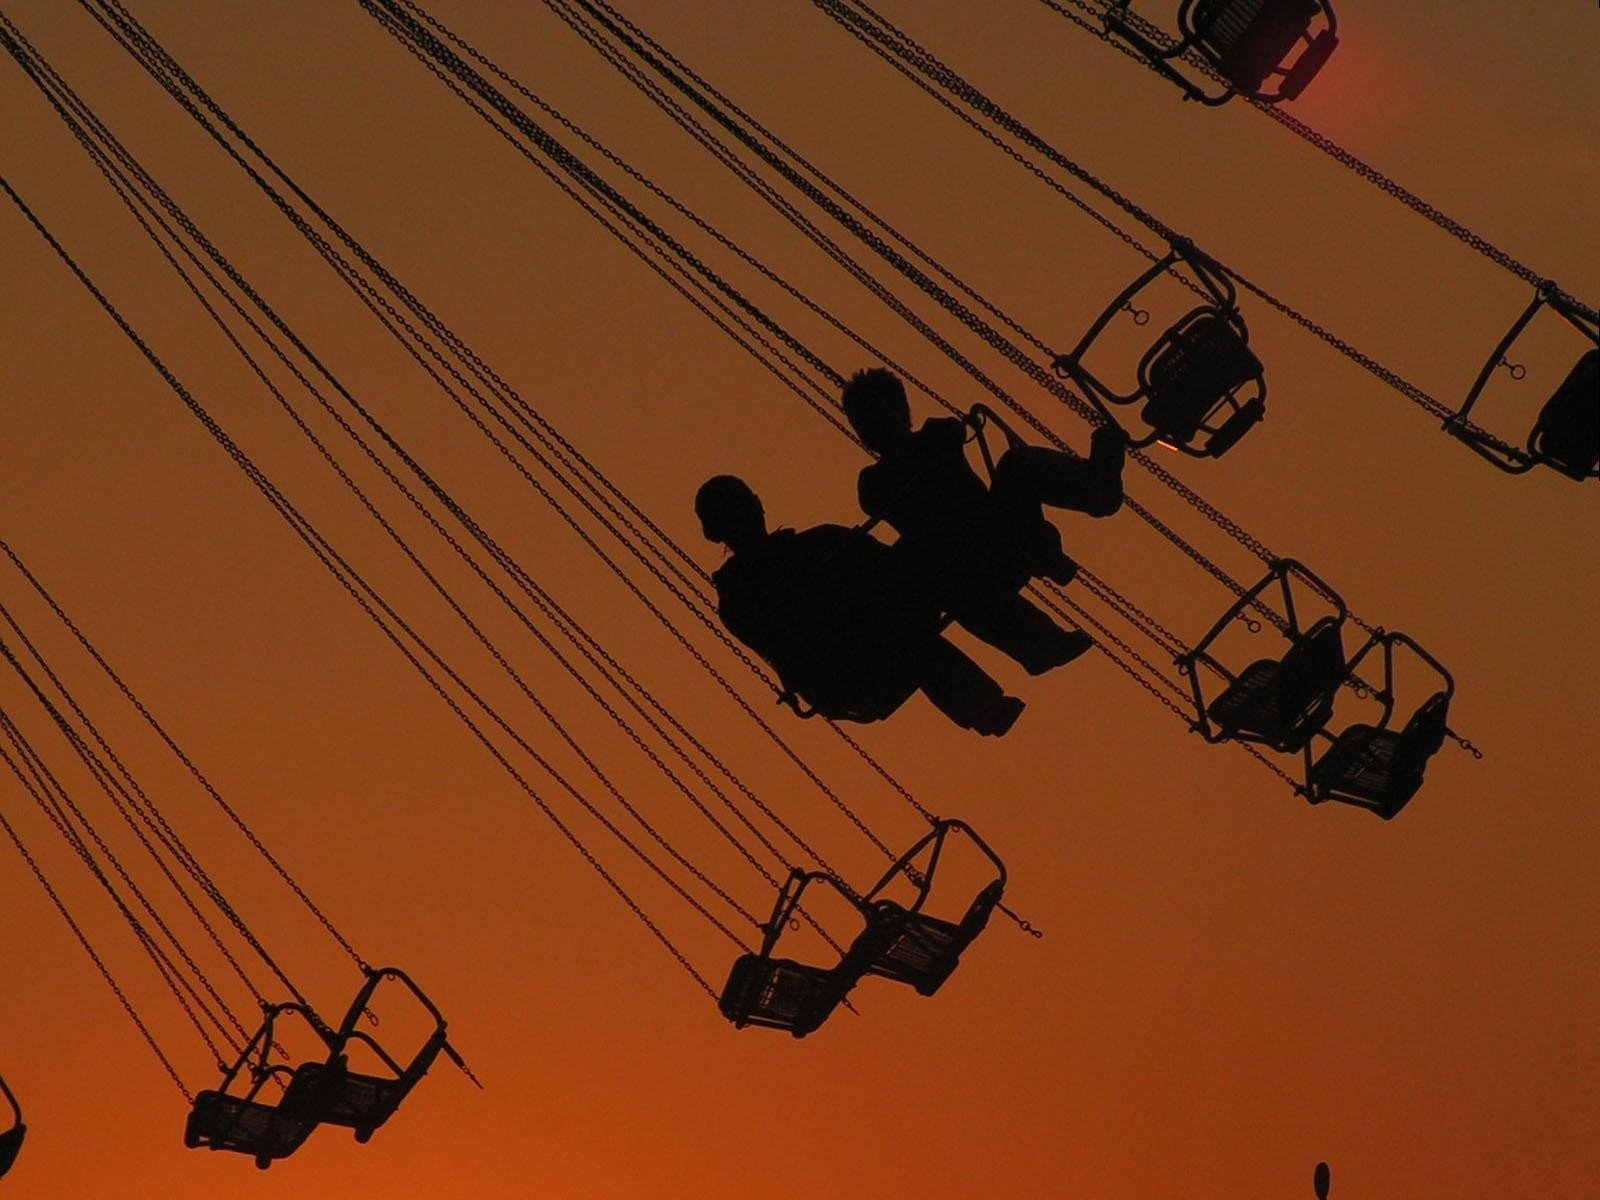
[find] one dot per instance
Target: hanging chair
(361, 1101)
(1276, 702)
(1566, 433)
(1201, 386)
(1265, 49)
(238, 1116)
(1380, 767)
(780, 993)
(910, 945)
(11, 1136)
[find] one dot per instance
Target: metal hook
(1250, 623)
(1140, 316)
(1516, 370)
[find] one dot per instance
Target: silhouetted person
(975, 546)
(835, 613)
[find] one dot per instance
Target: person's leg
(964, 692)
(1043, 475)
(1020, 629)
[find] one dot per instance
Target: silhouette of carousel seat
(1377, 767)
(1250, 43)
(361, 1101)
(11, 1137)
(1282, 702)
(1566, 433)
(223, 1118)
(911, 946)
(780, 993)
(1201, 386)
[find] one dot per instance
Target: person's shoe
(1073, 643)
(1059, 569)
(1000, 717)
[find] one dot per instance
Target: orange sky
(1232, 986)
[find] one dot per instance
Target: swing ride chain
(977, 100)
(94, 956)
(1324, 143)
(394, 314)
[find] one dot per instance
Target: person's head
(875, 405)
(729, 511)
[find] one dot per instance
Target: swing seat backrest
(267, 1132)
(1378, 768)
(1192, 371)
(10, 1144)
(921, 950)
(1248, 40)
(1567, 433)
(1282, 702)
(779, 993)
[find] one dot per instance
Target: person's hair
(875, 404)
(726, 504)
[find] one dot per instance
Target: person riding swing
(839, 617)
(974, 547)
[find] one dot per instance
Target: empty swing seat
(1567, 433)
(924, 951)
(1194, 371)
(266, 1132)
(10, 1145)
(1281, 703)
(1378, 768)
(779, 993)
(1248, 40)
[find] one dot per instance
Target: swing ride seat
(267, 1132)
(1567, 433)
(353, 1100)
(1380, 769)
(779, 993)
(1192, 375)
(11, 1136)
(921, 950)
(1282, 702)
(1248, 40)
(10, 1144)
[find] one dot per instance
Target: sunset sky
(1231, 984)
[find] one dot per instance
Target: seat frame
(217, 1118)
(11, 1137)
(1292, 76)
(1229, 416)
(828, 985)
(1300, 733)
(914, 947)
(363, 1102)
(1418, 724)
(1510, 459)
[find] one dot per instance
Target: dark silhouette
(1248, 42)
(363, 1102)
(837, 615)
(1379, 767)
(1283, 702)
(1320, 1180)
(780, 993)
(236, 1116)
(973, 547)
(1200, 386)
(1566, 433)
(10, 1137)
(913, 946)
